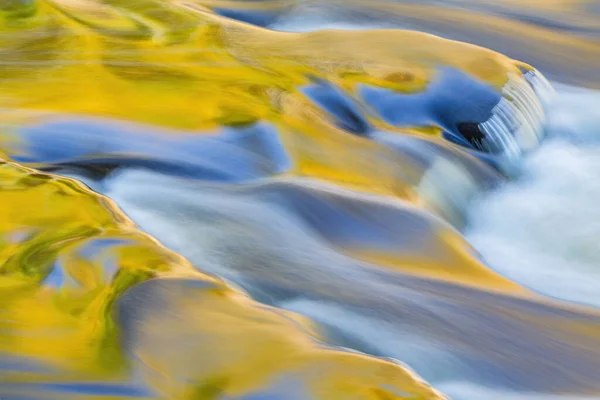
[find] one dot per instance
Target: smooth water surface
(278, 199)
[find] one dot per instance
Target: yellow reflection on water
(175, 64)
(69, 256)
(117, 58)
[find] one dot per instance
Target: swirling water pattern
(213, 199)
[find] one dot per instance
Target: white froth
(516, 123)
(543, 229)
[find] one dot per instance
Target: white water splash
(516, 125)
(543, 230)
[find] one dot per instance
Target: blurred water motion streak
(305, 191)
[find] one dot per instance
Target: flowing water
(288, 199)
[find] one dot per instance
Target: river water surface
(288, 199)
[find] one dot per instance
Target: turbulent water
(279, 199)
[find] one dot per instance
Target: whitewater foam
(542, 229)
